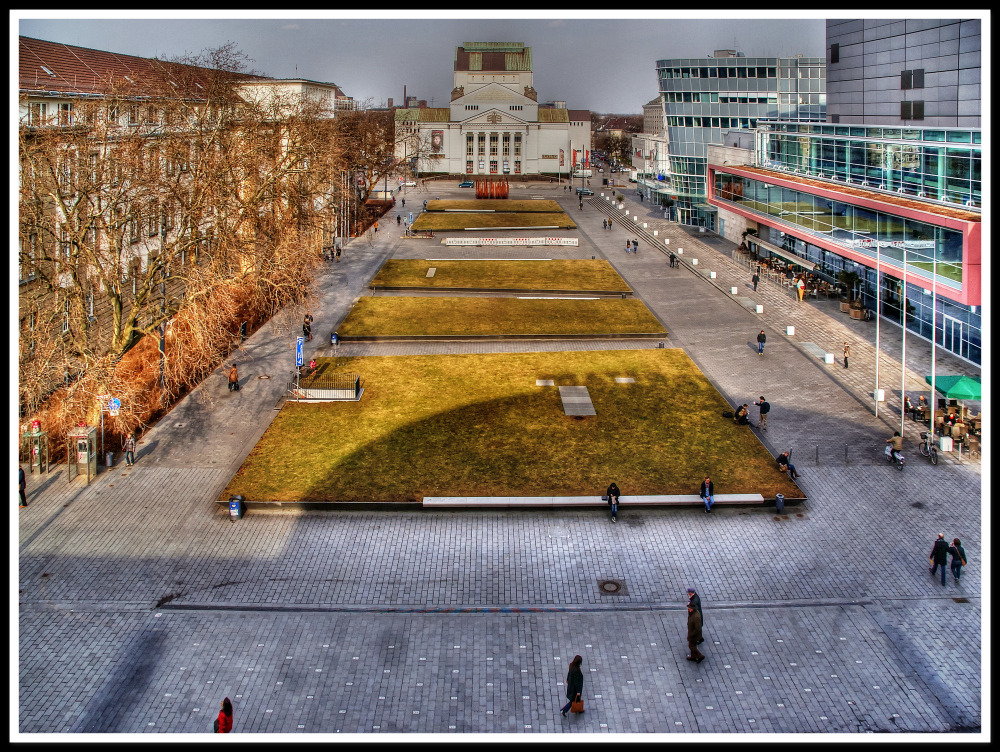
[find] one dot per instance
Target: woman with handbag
(574, 687)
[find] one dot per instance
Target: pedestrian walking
(628, 246)
(847, 354)
(604, 224)
(635, 245)
(694, 601)
(939, 556)
(234, 380)
(673, 260)
(694, 634)
(224, 723)
(574, 686)
(784, 461)
(765, 408)
(402, 202)
(707, 494)
(613, 496)
(755, 279)
(376, 225)
(307, 323)
(21, 485)
(761, 339)
(399, 220)
(609, 223)
(957, 559)
(129, 447)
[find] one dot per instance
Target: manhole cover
(178, 425)
(917, 505)
(558, 532)
(263, 376)
(612, 587)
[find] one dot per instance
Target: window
(911, 110)
(834, 118)
(493, 144)
(506, 144)
(469, 142)
(918, 78)
(834, 53)
(517, 107)
(36, 113)
(493, 166)
(912, 79)
(918, 110)
(66, 113)
(133, 114)
(65, 322)
(482, 143)
(468, 166)
(517, 166)
(517, 146)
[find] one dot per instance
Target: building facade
(703, 98)
(888, 205)
(494, 124)
(651, 151)
(917, 72)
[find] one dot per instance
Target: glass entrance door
(952, 335)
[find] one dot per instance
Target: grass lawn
(557, 274)
(497, 221)
(433, 316)
(500, 205)
(477, 425)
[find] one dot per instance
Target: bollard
(845, 455)
(109, 459)
(790, 331)
(817, 454)
(779, 503)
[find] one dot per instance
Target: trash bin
(779, 503)
(236, 508)
(109, 459)
(334, 338)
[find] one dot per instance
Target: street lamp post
(163, 307)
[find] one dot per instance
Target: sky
(599, 64)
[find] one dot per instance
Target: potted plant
(849, 280)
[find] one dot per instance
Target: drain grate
(263, 376)
(960, 600)
(612, 587)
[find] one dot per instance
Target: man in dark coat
(574, 682)
(694, 601)
(939, 556)
(21, 485)
(761, 339)
(613, 497)
(694, 635)
(957, 558)
(755, 279)
(707, 493)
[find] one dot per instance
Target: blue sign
(411, 218)
(298, 351)
(114, 405)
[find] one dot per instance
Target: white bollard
(828, 358)
(760, 309)
(635, 218)
(666, 242)
(643, 225)
(790, 330)
(733, 290)
(694, 262)
(680, 251)
(711, 275)
(656, 233)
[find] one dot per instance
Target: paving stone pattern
(141, 604)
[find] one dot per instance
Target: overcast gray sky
(604, 65)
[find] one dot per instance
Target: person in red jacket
(224, 723)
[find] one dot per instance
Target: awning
(787, 255)
(706, 207)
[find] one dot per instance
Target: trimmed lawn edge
(332, 506)
(532, 291)
(491, 337)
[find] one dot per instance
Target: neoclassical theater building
(495, 124)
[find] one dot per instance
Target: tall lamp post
(163, 308)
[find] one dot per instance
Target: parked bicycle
(927, 447)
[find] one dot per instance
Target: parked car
(584, 192)
(466, 184)
(409, 183)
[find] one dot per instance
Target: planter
(845, 306)
(857, 313)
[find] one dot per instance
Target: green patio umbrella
(958, 387)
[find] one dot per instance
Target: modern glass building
(898, 207)
(706, 97)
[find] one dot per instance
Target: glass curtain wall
(856, 228)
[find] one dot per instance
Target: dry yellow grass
(499, 205)
(555, 274)
(497, 221)
(456, 316)
(477, 425)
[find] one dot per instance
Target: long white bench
(584, 501)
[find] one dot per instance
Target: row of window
(710, 122)
(744, 71)
(64, 113)
(494, 166)
(470, 142)
(861, 131)
(856, 228)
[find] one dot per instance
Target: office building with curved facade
(703, 98)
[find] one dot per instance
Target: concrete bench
(819, 352)
(584, 501)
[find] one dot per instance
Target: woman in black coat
(574, 682)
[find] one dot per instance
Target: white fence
(510, 241)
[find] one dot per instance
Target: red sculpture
(489, 188)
